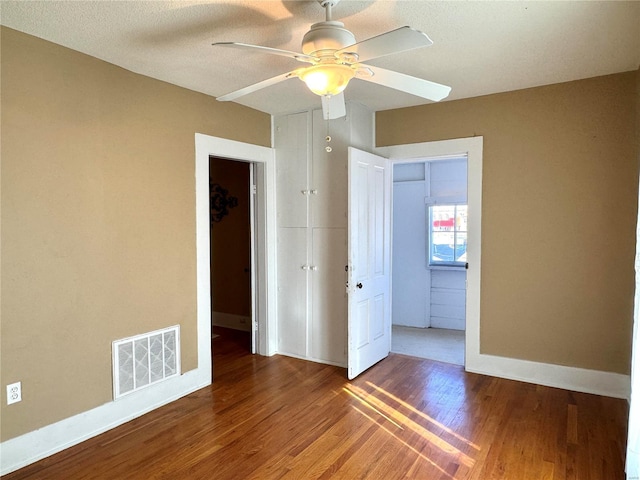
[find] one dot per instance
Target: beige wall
(559, 201)
(638, 114)
(230, 242)
(98, 219)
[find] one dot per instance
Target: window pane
(461, 218)
(443, 218)
(448, 234)
(442, 247)
(461, 247)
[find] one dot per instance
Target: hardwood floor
(282, 418)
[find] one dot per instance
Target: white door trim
(253, 247)
(265, 274)
(443, 150)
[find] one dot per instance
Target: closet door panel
(328, 183)
(292, 291)
(291, 139)
(329, 298)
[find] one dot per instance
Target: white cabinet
(312, 230)
(328, 319)
(329, 172)
(291, 142)
(292, 291)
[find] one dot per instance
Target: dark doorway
(231, 302)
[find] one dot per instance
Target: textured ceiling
(480, 47)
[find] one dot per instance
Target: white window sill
(450, 268)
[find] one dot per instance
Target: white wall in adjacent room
(423, 296)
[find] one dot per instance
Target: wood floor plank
(572, 424)
(272, 418)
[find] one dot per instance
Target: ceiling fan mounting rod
(328, 5)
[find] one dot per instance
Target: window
(447, 235)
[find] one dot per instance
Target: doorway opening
(430, 258)
(471, 147)
(232, 198)
(263, 273)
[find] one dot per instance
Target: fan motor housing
(326, 36)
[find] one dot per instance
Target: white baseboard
(33, 446)
(409, 324)
(229, 320)
(312, 359)
(608, 384)
(448, 323)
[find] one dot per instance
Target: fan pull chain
(328, 136)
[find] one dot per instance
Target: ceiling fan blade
(333, 106)
(255, 87)
(395, 41)
(301, 57)
(406, 83)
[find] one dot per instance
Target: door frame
(253, 248)
(265, 275)
(443, 150)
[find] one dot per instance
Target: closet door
(328, 183)
(328, 296)
(293, 275)
(292, 169)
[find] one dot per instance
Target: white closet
(312, 230)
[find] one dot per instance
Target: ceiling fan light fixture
(327, 79)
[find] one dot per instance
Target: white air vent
(145, 359)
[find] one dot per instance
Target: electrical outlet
(14, 393)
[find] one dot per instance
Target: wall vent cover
(145, 359)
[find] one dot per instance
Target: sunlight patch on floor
(404, 422)
(413, 449)
(423, 415)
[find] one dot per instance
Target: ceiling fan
(335, 58)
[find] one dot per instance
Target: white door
(369, 279)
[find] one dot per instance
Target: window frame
(445, 202)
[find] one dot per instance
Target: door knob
(359, 285)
